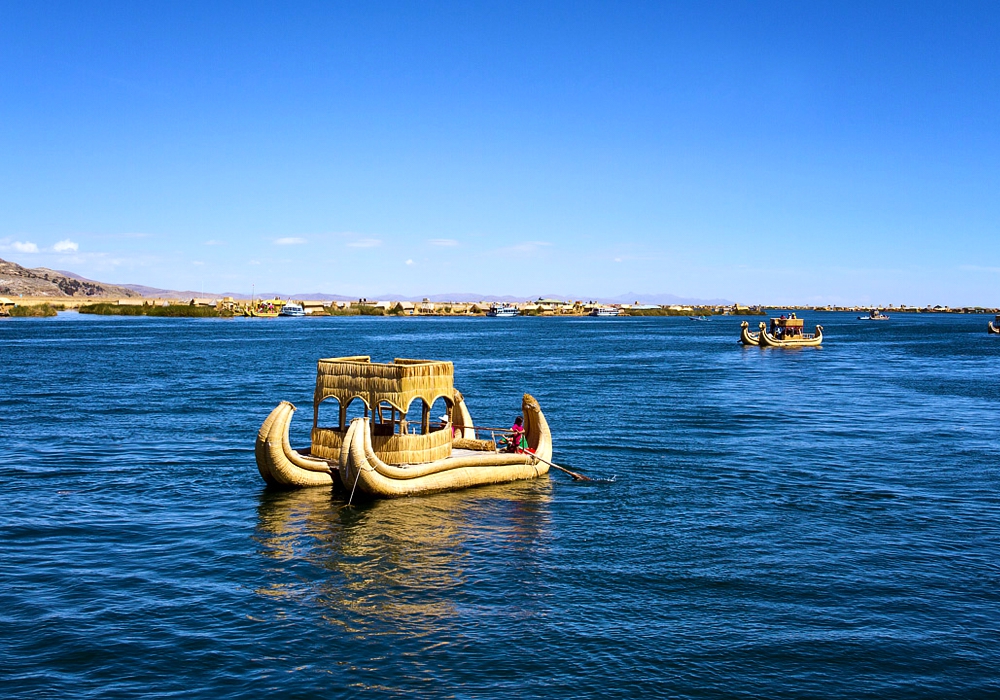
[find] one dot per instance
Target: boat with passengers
(503, 311)
(783, 332)
(874, 315)
(993, 327)
(292, 308)
(392, 451)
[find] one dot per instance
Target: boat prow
(746, 337)
(278, 463)
(994, 326)
(362, 472)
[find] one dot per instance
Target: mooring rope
(358, 476)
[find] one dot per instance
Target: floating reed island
(784, 332)
(382, 454)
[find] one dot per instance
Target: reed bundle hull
(766, 340)
(363, 473)
(278, 463)
(993, 329)
(746, 337)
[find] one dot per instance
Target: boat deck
(455, 452)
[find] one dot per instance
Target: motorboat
(601, 311)
(292, 309)
(503, 311)
(874, 315)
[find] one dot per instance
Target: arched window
(328, 414)
(356, 408)
(414, 419)
(386, 418)
(440, 414)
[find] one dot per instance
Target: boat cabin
(396, 396)
(784, 328)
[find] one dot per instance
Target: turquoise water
(811, 523)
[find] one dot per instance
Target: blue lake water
(812, 523)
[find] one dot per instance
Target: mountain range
(43, 282)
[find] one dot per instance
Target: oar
(576, 477)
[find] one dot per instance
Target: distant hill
(43, 282)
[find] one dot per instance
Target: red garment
(517, 437)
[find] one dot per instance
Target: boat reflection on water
(397, 565)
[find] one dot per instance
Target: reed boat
(382, 455)
(993, 327)
(787, 332)
(747, 337)
(264, 308)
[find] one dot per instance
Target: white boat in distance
(292, 309)
(503, 311)
(604, 311)
(874, 315)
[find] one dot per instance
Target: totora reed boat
(784, 332)
(382, 454)
(993, 327)
(746, 337)
(787, 332)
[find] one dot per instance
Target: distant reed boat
(264, 308)
(784, 332)
(381, 455)
(993, 327)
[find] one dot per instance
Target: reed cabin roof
(788, 322)
(397, 383)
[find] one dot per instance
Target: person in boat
(517, 442)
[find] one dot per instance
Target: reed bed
(36, 311)
(172, 311)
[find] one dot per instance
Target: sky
(790, 152)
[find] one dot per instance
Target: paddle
(576, 477)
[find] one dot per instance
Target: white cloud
(445, 242)
(409, 262)
(290, 241)
(66, 246)
(197, 262)
(618, 259)
(215, 242)
(365, 243)
(25, 247)
(254, 262)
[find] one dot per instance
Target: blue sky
(761, 152)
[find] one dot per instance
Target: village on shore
(229, 306)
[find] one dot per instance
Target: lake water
(811, 523)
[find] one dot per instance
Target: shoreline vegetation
(229, 308)
(35, 311)
(169, 311)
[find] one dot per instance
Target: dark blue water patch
(818, 523)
